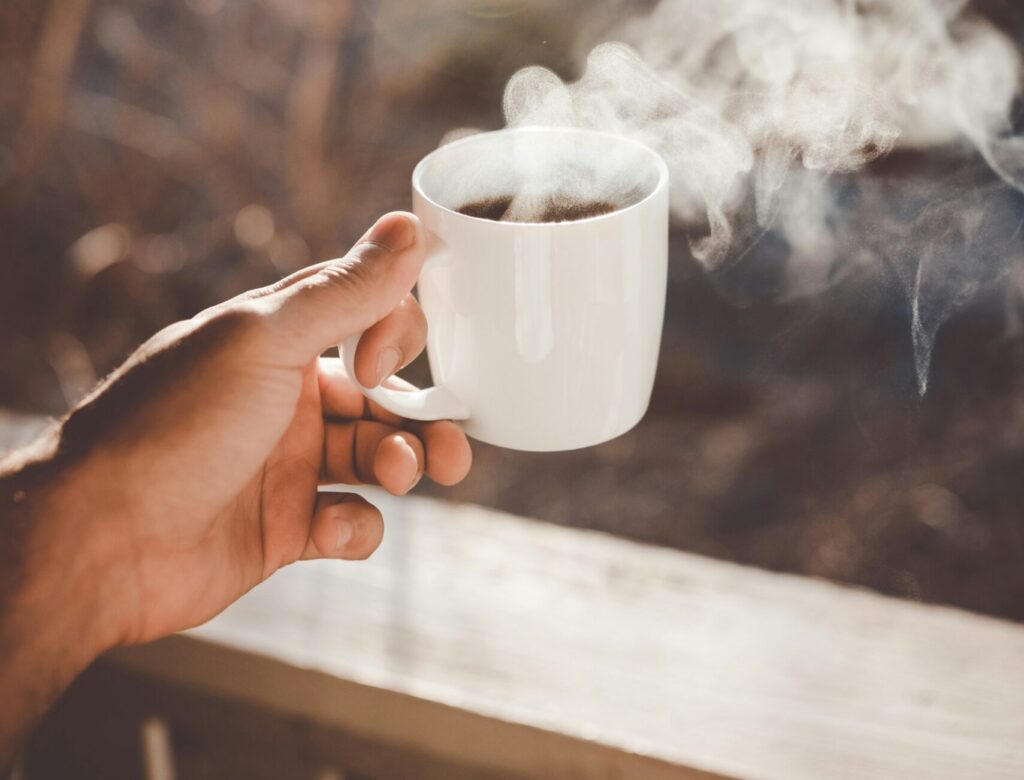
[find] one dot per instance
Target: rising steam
(757, 106)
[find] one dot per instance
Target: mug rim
(659, 164)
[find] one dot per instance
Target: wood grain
(540, 651)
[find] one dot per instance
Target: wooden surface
(18, 429)
(513, 648)
(210, 736)
(531, 650)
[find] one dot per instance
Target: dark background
(157, 157)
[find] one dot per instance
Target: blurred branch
(156, 137)
(307, 174)
(51, 70)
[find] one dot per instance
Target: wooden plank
(18, 429)
(534, 650)
(388, 734)
(211, 736)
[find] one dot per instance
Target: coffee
(554, 209)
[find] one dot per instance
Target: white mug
(541, 335)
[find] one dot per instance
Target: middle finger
(391, 343)
(370, 452)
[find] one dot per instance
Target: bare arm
(51, 625)
(191, 474)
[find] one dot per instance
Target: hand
(191, 474)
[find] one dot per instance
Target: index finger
(448, 454)
(340, 397)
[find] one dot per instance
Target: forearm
(50, 625)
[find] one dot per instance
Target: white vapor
(755, 104)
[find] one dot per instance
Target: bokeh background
(157, 157)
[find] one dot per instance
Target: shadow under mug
(541, 335)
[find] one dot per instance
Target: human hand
(191, 474)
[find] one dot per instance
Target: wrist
(52, 624)
(53, 589)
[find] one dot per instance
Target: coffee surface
(555, 209)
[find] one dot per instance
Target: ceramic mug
(541, 335)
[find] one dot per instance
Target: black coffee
(556, 209)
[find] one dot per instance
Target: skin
(191, 474)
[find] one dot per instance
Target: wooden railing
(476, 644)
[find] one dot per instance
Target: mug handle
(429, 403)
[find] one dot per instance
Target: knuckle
(231, 321)
(416, 316)
(321, 538)
(343, 274)
(233, 327)
(355, 270)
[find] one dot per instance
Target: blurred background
(158, 157)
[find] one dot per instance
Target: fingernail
(388, 362)
(344, 534)
(412, 453)
(394, 231)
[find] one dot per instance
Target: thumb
(349, 295)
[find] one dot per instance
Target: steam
(763, 111)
